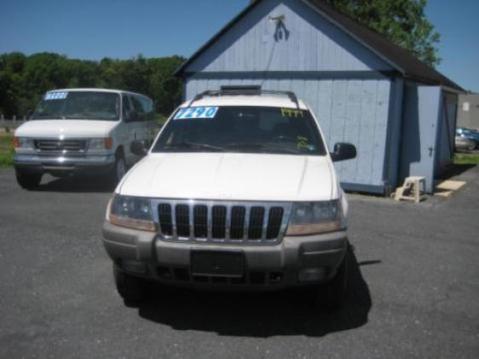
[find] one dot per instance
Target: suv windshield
(77, 105)
(241, 129)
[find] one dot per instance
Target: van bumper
(64, 165)
(296, 261)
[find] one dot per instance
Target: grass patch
(6, 150)
(466, 159)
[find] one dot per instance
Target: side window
(126, 107)
(148, 108)
(138, 107)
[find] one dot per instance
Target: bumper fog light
(312, 274)
(133, 266)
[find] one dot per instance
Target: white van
(85, 131)
(239, 192)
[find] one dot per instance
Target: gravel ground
(415, 291)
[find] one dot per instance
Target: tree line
(24, 79)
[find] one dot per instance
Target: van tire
(118, 170)
(131, 289)
(29, 181)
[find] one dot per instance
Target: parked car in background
(239, 191)
(82, 131)
(463, 144)
(469, 134)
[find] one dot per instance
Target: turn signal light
(108, 143)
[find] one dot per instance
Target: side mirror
(343, 151)
(138, 148)
(131, 116)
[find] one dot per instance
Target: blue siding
(355, 111)
(312, 44)
(393, 140)
(420, 129)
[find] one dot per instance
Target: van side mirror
(131, 116)
(343, 151)
(138, 148)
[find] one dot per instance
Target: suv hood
(232, 176)
(65, 128)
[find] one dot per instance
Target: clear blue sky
(89, 29)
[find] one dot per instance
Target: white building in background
(468, 111)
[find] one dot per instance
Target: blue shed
(399, 112)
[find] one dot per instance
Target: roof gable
(398, 58)
(304, 41)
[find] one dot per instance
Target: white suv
(82, 131)
(237, 191)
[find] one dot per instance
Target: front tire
(29, 181)
(130, 288)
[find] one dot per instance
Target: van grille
(218, 221)
(52, 145)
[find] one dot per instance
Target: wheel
(333, 294)
(130, 288)
(28, 181)
(118, 171)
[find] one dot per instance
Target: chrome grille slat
(265, 222)
(228, 222)
(173, 221)
(244, 222)
(60, 146)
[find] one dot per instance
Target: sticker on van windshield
(195, 112)
(56, 95)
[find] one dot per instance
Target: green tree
(402, 21)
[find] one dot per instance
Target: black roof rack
(244, 91)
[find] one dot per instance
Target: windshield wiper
(264, 148)
(194, 145)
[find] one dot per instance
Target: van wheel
(118, 171)
(333, 294)
(130, 288)
(28, 181)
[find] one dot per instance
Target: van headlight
(309, 218)
(131, 212)
(99, 144)
(23, 143)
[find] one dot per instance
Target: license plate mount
(217, 263)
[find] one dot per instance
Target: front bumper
(296, 261)
(34, 163)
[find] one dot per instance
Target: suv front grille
(219, 221)
(52, 145)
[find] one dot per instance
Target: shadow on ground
(72, 184)
(454, 170)
(258, 314)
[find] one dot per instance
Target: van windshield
(241, 129)
(76, 105)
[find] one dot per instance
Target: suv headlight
(98, 144)
(23, 143)
(131, 212)
(309, 218)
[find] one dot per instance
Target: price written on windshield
(189, 113)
